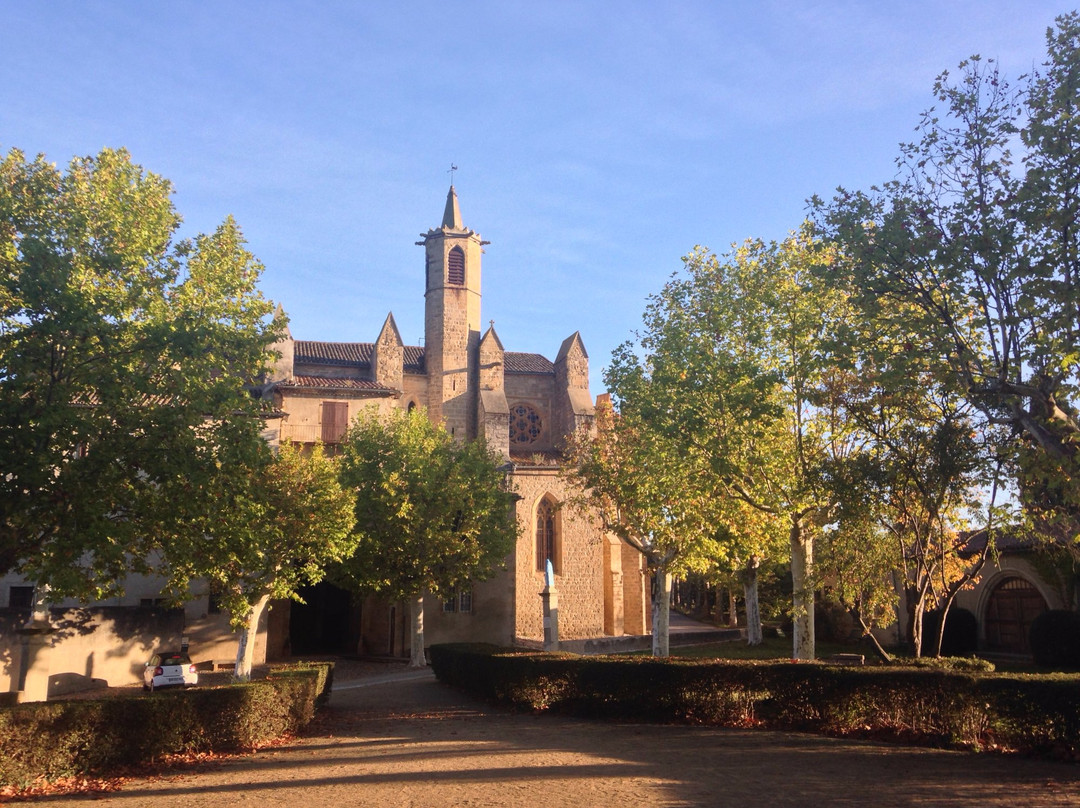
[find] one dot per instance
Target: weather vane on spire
(453, 168)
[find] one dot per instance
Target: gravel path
(394, 737)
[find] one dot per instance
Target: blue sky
(597, 142)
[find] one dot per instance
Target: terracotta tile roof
(1007, 541)
(414, 359)
(351, 354)
(333, 353)
(527, 363)
(334, 383)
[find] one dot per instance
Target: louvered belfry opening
(455, 267)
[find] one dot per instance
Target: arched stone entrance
(1012, 606)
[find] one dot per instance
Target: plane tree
(740, 344)
(124, 354)
(260, 530)
(650, 493)
(977, 235)
(432, 514)
(929, 468)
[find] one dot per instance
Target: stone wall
(109, 645)
(304, 421)
(637, 605)
(490, 618)
(414, 389)
(579, 567)
(537, 391)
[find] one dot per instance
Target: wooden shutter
(335, 420)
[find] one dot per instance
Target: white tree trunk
(753, 606)
(416, 616)
(245, 648)
(733, 609)
(917, 626)
(661, 614)
(802, 562)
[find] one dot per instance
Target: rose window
(525, 426)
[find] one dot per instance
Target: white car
(169, 669)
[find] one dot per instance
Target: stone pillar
(33, 668)
(550, 598)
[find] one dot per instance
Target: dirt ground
(393, 737)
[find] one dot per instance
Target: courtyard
(397, 737)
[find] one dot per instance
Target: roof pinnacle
(452, 215)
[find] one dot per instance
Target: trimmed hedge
(51, 740)
(1017, 713)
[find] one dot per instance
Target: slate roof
(358, 355)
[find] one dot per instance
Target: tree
(985, 250)
(432, 515)
(650, 494)
(123, 360)
(906, 499)
(263, 534)
(740, 347)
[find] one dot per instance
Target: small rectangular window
(21, 597)
(147, 603)
(466, 601)
(449, 605)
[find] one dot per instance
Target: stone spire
(452, 215)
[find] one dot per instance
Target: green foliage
(650, 493)
(51, 740)
(266, 531)
(1055, 639)
(976, 242)
(924, 466)
(431, 514)
(735, 356)
(1014, 713)
(123, 359)
(950, 663)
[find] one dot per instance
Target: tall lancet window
(545, 536)
(455, 267)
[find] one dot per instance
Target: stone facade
(523, 404)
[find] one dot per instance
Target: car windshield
(174, 659)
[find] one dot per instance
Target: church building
(523, 404)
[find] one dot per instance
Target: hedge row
(1009, 712)
(51, 740)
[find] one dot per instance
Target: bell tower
(452, 320)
